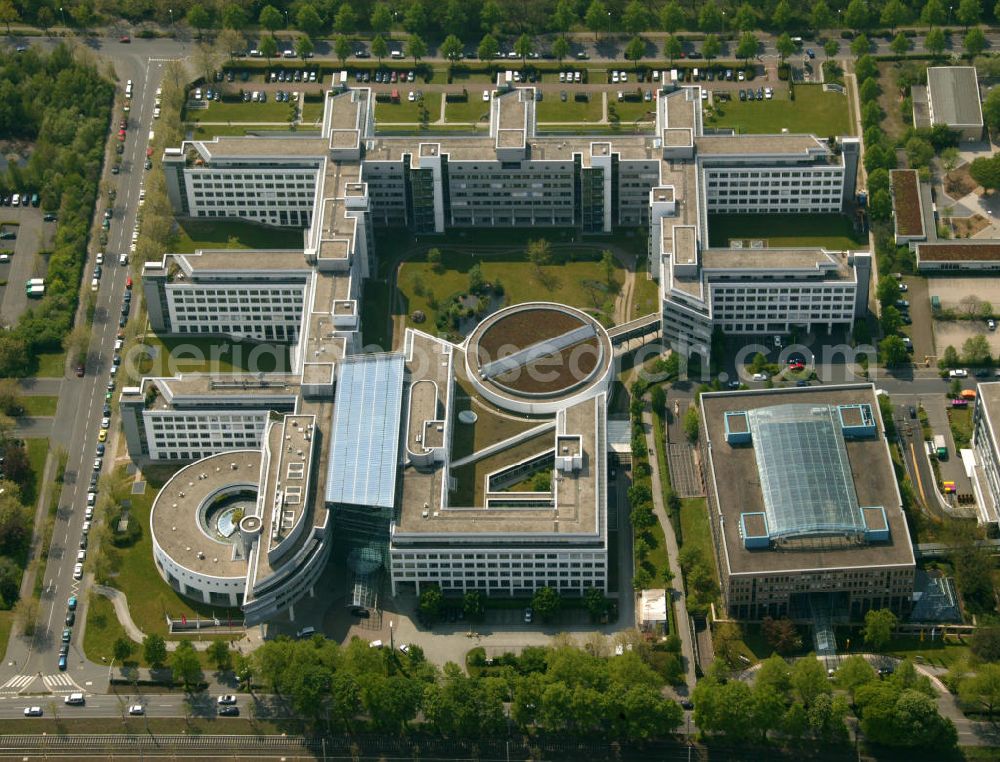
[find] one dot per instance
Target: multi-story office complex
(805, 511)
(986, 451)
(381, 450)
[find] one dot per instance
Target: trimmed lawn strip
(51, 364)
(209, 131)
(696, 532)
(553, 109)
(473, 111)
(645, 295)
(813, 112)
(272, 111)
(408, 112)
(630, 111)
(201, 355)
(39, 405)
(832, 231)
(192, 235)
(38, 450)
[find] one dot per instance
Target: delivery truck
(940, 448)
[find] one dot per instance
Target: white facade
(259, 311)
(273, 196)
(774, 190)
(756, 307)
(184, 435)
(217, 591)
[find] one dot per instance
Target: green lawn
(961, 426)
(406, 111)
(461, 75)
(629, 112)
(933, 653)
(812, 112)
(169, 356)
(207, 132)
(312, 113)
(553, 109)
(192, 235)
(572, 282)
(38, 450)
(646, 296)
(51, 364)
(39, 404)
(150, 599)
(473, 110)
(272, 111)
(832, 231)
(696, 532)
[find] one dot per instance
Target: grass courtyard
(408, 112)
(170, 356)
(271, 111)
(472, 111)
(552, 109)
(832, 231)
(192, 235)
(812, 112)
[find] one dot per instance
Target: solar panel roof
(805, 474)
(365, 435)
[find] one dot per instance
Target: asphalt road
(31, 665)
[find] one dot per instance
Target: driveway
(32, 235)
(922, 329)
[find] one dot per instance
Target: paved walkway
(676, 588)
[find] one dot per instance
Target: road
(31, 664)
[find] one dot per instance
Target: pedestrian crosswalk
(17, 683)
(60, 682)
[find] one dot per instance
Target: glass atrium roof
(365, 445)
(805, 475)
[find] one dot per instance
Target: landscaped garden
(812, 112)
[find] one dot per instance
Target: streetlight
(171, 11)
(723, 29)
(609, 23)
(949, 14)
(63, 15)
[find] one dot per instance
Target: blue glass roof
(805, 474)
(365, 435)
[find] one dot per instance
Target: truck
(940, 448)
(35, 292)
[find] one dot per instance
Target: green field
(553, 109)
(812, 112)
(407, 112)
(632, 112)
(192, 235)
(474, 110)
(312, 113)
(696, 532)
(51, 364)
(170, 356)
(271, 111)
(566, 283)
(40, 405)
(832, 231)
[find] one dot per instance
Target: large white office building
(365, 447)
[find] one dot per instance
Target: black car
(123, 322)
(70, 618)
(49, 217)
(63, 650)
(743, 95)
(229, 711)
(760, 93)
(913, 411)
(107, 410)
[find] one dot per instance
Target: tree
(891, 319)
(860, 45)
(856, 16)
(233, 17)
(415, 19)
(524, 46)
(185, 665)
(8, 13)
(122, 648)
(692, 424)
(560, 48)
(539, 253)
(893, 14)
(866, 68)
(381, 20)
(431, 603)
(416, 48)
(229, 42)
(474, 605)
(985, 643)
(710, 17)
(488, 48)
(379, 48)
(969, 12)
(854, 672)
(45, 18)
(346, 21)
(935, 41)
(636, 17)
(635, 50)
(976, 351)
(434, 259)
(869, 90)
(900, 44)
(821, 16)
(476, 281)
(671, 17)
(808, 679)
(746, 18)
(784, 46)
(452, 48)
(879, 624)
(196, 16)
(342, 48)
(546, 603)
(672, 48)
(711, 47)
(268, 48)
(986, 172)
(919, 152)
(933, 13)
(154, 650)
(597, 17)
(220, 655)
(894, 717)
(893, 352)
(974, 42)
(270, 18)
(564, 16)
(887, 290)
(308, 20)
(747, 47)
(982, 688)
(782, 16)
(456, 18)
(491, 17)
(304, 48)
(782, 634)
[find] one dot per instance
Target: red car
(125, 38)
(128, 283)
(149, 152)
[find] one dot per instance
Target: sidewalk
(676, 587)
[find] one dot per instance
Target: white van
(75, 698)
(396, 54)
(15, 199)
(123, 259)
(94, 284)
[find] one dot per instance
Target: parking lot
(33, 235)
(951, 292)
